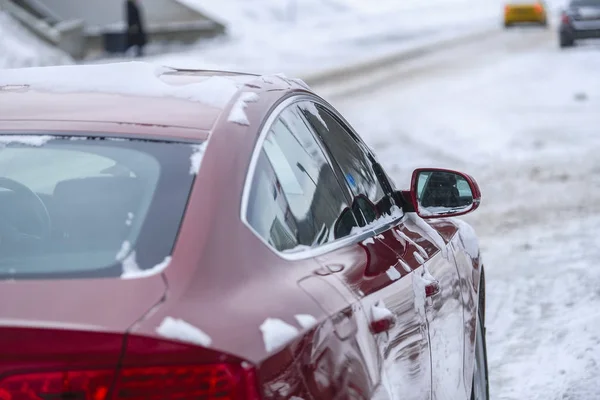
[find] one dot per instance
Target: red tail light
(92, 385)
(538, 8)
(506, 9)
(565, 18)
(206, 382)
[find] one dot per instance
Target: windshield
(89, 206)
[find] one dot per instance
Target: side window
(295, 197)
(354, 160)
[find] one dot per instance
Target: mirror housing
(439, 193)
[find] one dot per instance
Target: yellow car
(527, 11)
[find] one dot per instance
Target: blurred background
(503, 91)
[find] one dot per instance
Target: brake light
(538, 8)
(506, 9)
(205, 382)
(76, 385)
(565, 18)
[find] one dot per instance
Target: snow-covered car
(581, 20)
(179, 234)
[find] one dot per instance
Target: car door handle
(382, 325)
(432, 288)
(382, 319)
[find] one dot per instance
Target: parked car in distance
(527, 11)
(187, 234)
(580, 20)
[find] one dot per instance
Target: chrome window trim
(303, 252)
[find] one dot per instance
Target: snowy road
(523, 117)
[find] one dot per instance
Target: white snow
(404, 265)
(393, 273)
(28, 140)
(125, 249)
(178, 329)
(277, 333)
(312, 109)
(379, 311)
(301, 36)
(196, 157)
(468, 238)
(419, 258)
(131, 269)
(237, 114)
(395, 214)
(401, 235)
(430, 233)
(21, 48)
(368, 241)
(306, 321)
(128, 78)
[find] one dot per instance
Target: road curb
(343, 73)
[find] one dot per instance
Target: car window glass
(352, 156)
(294, 187)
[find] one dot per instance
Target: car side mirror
(438, 193)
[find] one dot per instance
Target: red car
(179, 234)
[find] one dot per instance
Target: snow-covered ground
(523, 117)
(20, 48)
(301, 36)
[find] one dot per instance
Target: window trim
(302, 252)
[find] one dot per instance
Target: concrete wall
(102, 13)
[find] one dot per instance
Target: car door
(298, 207)
(382, 270)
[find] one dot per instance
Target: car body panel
(379, 277)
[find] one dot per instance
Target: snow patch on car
(129, 219)
(125, 249)
(238, 113)
(430, 232)
(128, 78)
(393, 273)
(419, 258)
(402, 236)
(468, 238)
(310, 107)
(368, 241)
(196, 157)
(277, 333)
(380, 311)
(131, 269)
(395, 214)
(405, 265)
(306, 321)
(28, 140)
(178, 329)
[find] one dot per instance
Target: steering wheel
(41, 212)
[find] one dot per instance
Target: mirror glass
(442, 193)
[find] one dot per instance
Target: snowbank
(21, 48)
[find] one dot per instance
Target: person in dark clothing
(136, 34)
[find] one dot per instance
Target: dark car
(178, 234)
(581, 20)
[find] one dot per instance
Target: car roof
(124, 94)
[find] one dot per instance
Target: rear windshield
(84, 206)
